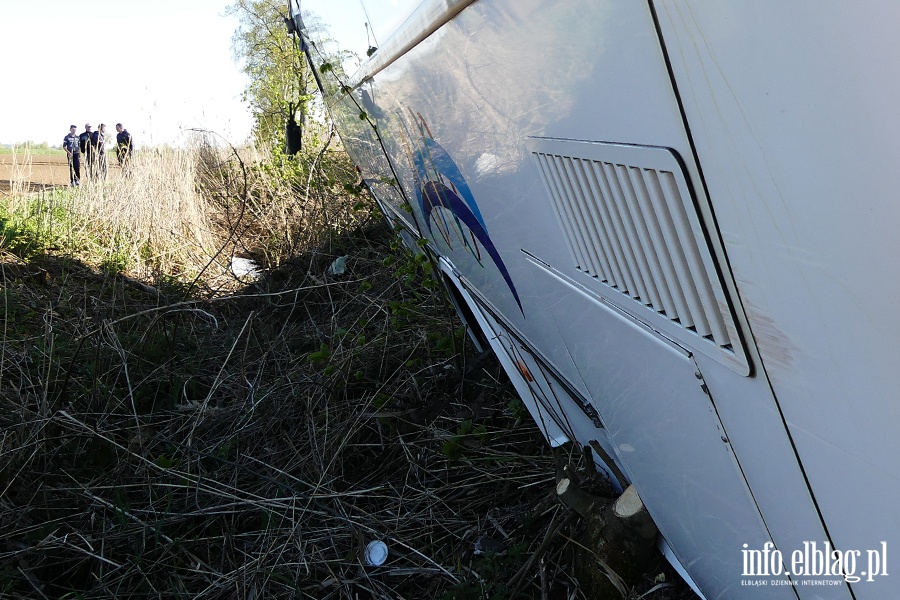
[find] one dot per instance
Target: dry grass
(20, 175)
(155, 210)
(251, 446)
(186, 212)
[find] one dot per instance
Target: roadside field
(36, 172)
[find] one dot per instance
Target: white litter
(338, 267)
(376, 553)
(244, 267)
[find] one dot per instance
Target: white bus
(676, 222)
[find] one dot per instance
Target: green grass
(38, 223)
(42, 149)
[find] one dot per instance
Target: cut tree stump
(620, 534)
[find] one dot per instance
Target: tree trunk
(620, 534)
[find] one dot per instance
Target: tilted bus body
(677, 223)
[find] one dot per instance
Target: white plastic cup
(376, 553)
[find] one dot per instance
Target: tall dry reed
(153, 210)
(20, 175)
(272, 207)
(186, 212)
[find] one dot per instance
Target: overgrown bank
(252, 445)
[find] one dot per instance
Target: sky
(158, 67)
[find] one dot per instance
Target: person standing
(124, 146)
(98, 143)
(72, 146)
(87, 151)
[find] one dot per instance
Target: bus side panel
(794, 114)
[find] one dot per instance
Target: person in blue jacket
(73, 151)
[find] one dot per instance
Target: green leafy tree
(281, 83)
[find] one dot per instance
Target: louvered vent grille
(634, 229)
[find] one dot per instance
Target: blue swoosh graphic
(435, 194)
(441, 184)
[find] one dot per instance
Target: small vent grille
(635, 229)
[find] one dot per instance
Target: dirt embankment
(29, 173)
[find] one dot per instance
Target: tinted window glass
(339, 31)
(385, 16)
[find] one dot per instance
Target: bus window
(386, 16)
(339, 32)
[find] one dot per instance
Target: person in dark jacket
(124, 146)
(73, 151)
(98, 144)
(87, 151)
